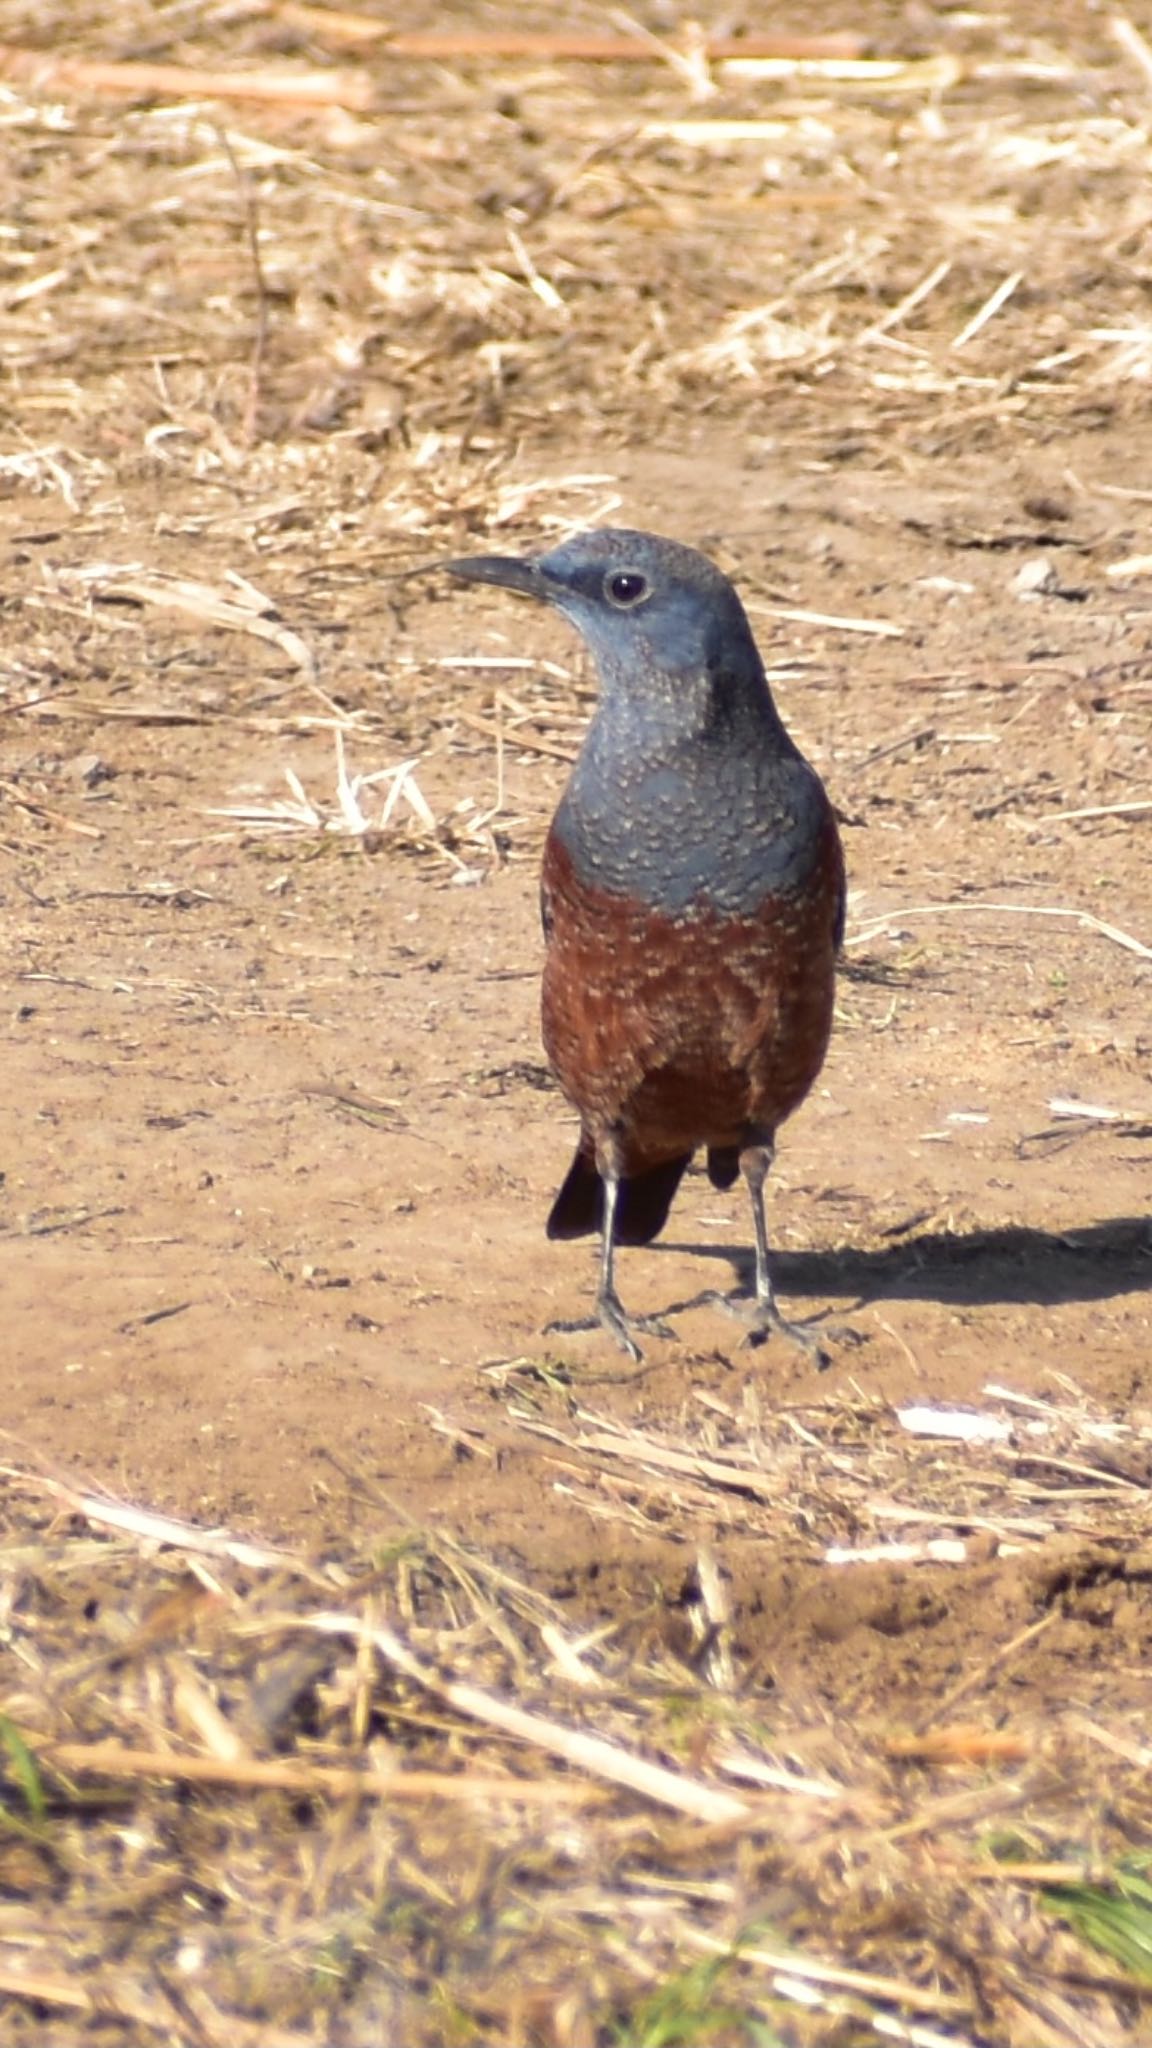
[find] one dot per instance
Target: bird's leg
(611, 1315)
(610, 1310)
(762, 1314)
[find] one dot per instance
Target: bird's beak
(509, 571)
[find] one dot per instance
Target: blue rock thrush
(693, 903)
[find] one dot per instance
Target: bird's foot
(611, 1315)
(761, 1318)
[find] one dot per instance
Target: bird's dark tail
(642, 1203)
(723, 1164)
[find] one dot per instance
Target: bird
(692, 899)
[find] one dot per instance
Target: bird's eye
(625, 588)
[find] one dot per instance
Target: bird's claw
(762, 1317)
(612, 1316)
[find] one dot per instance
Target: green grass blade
(24, 1767)
(1114, 1917)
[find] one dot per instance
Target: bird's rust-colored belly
(669, 1032)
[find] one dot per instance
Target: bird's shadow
(1011, 1264)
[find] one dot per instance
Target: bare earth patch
(520, 1694)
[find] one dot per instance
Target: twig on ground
(885, 925)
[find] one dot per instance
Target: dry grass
(311, 278)
(393, 1794)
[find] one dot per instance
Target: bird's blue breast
(724, 827)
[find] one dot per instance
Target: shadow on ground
(1010, 1264)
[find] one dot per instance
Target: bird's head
(665, 627)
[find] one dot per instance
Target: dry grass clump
(874, 1485)
(399, 1793)
(395, 266)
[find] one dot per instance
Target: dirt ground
(278, 1137)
